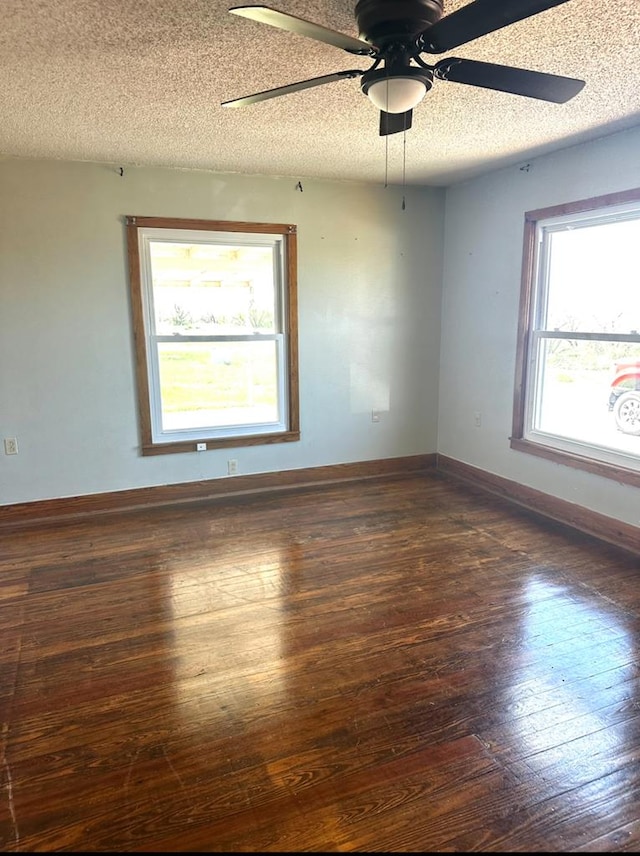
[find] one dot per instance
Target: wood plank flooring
(398, 665)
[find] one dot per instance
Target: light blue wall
(374, 327)
(482, 272)
(369, 288)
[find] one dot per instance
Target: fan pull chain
(404, 166)
(386, 146)
(386, 161)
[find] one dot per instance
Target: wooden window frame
(529, 284)
(149, 446)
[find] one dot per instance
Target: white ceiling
(141, 83)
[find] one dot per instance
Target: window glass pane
(213, 384)
(212, 289)
(594, 278)
(589, 392)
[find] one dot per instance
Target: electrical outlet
(375, 416)
(477, 419)
(201, 447)
(10, 446)
(232, 466)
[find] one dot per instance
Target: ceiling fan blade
(291, 87)
(477, 19)
(301, 27)
(518, 81)
(393, 123)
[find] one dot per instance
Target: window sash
(235, 429)
(537, 429)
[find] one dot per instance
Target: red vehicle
(624, 397)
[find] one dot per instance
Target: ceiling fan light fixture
(396, 92)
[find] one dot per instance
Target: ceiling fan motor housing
(383, 21)
(393, 33)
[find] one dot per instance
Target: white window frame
(532, 331)
(142, 232)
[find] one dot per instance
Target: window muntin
(580, 317)
(214, 317)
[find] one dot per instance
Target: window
(577, 392)
(215, 326)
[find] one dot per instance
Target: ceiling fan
(394, 34)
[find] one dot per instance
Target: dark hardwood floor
(397, 665)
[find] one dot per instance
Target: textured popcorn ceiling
(141, 83)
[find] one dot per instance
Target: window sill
(579, 462)
(221, 443)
